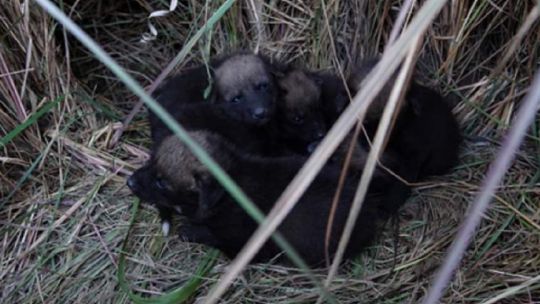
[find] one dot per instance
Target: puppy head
(300, 113)
(149, 185)
(174, 176)
(244, 88)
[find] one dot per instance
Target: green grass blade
(212, 166)
(23, 179)
(178, 130)
(178, 295)
(30, 121)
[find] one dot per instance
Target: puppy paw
(197, 234)
(165, 228)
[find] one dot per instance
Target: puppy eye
(161, 184)
(263, 86)
(236, 99)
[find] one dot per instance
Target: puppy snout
(259, 113)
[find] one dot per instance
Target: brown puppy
(300, 121)
(168, 183)
(241, 88)
(218, 221)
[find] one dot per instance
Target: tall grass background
(65, 210)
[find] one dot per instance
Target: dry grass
(64, 210)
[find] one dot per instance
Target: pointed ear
(210, 194)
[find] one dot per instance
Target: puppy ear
(210, 193)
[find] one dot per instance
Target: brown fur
(299, 117)
(300, 90)
(178, 165)
(240, 69)
(244, 75)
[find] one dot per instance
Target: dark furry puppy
(171, 192)
(146, 184)
(425, 136)
(243, 90)
(218, 221)
(310, 104)
(201, 116)
(299, 121)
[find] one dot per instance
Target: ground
(65, 209)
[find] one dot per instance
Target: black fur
(263, 180)
(253, 102)
(205, 116)
(334, 97)
(425, 136)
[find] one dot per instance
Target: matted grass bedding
(65, 209)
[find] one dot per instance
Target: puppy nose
(259, 113)
(132, 183)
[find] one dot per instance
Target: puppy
(300, 121)
(151, 186)
(425, 135)
(215, 212)
(241, 87)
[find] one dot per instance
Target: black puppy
(215, 213)
(425, 135)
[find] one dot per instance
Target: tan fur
(239, 71)
(301, 91)
(175, 162)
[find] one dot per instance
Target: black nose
(259, 113)
(132, 183)
(319, 135)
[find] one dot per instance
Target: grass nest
(65, 209)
